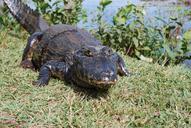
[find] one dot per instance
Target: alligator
(66, 52)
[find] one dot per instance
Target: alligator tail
(28, 18)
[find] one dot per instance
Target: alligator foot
(27, 64)
(40, 83)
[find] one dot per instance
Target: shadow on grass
(88, 93)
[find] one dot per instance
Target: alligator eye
(88, 53)
(107, 51)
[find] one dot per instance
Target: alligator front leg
(51, 68)
(32, 43)
(121, 68)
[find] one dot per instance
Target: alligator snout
(108, 76)
(107, 73)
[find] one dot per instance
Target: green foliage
(7, 21)
(173, 46)
(60, 11)
(104, 3)
(128, 33)
(122, 35)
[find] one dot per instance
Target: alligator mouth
(103, 84)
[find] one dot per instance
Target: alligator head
(96, 66)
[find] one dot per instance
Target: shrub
(60, 11)
(129, 34)
(7, 21)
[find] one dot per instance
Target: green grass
(154, 96)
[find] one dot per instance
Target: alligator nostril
(108, 74)
(105, 79)
(111, 73)
(104, 74)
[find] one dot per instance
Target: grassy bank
(154, 96)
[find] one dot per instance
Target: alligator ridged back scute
(73, 33)
(88, 38)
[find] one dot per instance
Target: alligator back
(28, 18)
(60, 42)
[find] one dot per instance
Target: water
(153, 8)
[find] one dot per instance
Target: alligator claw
(126, 73)
(39, 83)
(122, 70)
(27, 64)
